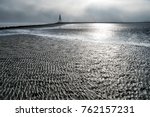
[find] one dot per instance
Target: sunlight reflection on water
(101, 32)
(133, 34)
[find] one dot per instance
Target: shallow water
(117, 33)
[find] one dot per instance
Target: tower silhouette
(59, 18)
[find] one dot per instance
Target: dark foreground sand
(33, 67)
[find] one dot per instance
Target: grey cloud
(16, 12)
(79, 10)
(104, 14)
(128, 12)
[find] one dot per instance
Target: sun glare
(102, 32)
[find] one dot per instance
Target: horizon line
(55, 24)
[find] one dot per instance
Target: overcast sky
(74, 10)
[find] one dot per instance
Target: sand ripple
(33, 67)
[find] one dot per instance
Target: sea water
(119, 33)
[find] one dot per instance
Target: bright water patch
(132, 33)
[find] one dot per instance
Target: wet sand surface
(36, 67)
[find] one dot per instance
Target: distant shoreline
(30, 26)
(57, 24)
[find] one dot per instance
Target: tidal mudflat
(43, 68)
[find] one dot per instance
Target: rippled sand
(34, 67)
